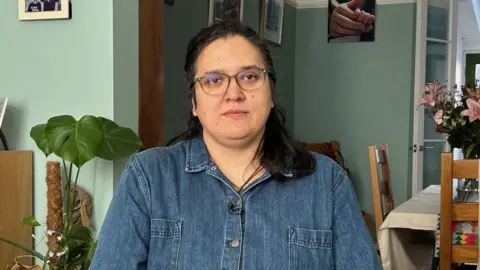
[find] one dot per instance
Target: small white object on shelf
(3, 109)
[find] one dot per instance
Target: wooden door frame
(150, 74)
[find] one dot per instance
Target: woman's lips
(235, 114)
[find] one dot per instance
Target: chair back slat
(464, 212)
(465, 169)
(330, 149)
(460, 212)
(381, 189)
(380, 155)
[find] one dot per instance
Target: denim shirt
(174, 209)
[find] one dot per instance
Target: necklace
(240, 188)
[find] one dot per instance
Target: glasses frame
(265, 72)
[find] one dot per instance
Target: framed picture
(358, 25)
(3, 109)
(272, 20)
(43, 9)
(221, 10)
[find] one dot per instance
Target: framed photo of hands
(351, 20)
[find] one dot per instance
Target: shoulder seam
(142, 179)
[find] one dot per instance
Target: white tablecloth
(406, 238)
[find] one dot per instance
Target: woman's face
(236, 114)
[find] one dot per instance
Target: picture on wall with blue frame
(351, 20)
(272, 28)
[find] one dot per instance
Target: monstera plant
(70, 242)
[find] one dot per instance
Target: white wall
(467, 25)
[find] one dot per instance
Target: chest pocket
(165, 236)
(310, 249)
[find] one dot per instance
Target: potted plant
(456, 113)
(70, 241)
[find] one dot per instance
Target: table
(406, 238)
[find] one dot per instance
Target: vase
(467, 189)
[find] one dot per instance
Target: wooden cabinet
(16, 201)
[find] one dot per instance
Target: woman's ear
(194, 108)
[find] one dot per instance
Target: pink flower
(428, 99)
(434, 94)
(473, 93)
(434, 87)
(473, 111)
(438, 117)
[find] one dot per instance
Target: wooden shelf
(16, 201)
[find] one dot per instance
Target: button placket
(233, 231)
(235, 243)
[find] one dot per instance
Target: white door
(435, 53)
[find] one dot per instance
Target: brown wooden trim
(467, 168)
(465, 212)
(150, 91)
(446, 183)
(464, 254)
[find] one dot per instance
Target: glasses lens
(251, 79)
(214, 84)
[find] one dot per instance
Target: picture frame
(337, 26)
(220, 10)
(272, 21)
(43, 10)
(3, 109)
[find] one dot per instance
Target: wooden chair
(455, 212)
(380, 189)
(329, 149)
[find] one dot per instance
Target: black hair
(279, 153)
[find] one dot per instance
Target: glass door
(434, 61)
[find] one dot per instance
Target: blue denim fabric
(174, 209)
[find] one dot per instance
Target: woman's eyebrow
(221, 71)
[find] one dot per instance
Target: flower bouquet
(456, 113)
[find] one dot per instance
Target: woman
(50, 5)
(234, 191)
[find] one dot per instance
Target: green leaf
(74, 141)
(119, 142)
(469, 150)
(30, 221)
(79, 241)
(91, 252)
(37, 133)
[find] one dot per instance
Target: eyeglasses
(216, 83)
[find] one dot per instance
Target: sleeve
(125, 234)
(353, 244)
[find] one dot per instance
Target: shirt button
(235, 243)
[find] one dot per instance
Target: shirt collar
(198, 158)
(197, 155)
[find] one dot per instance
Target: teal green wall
(125, 69)
(358, 93)
(184, 20)
(67, 67)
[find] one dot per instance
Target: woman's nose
(234, 91)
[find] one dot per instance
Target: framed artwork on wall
(272, 20)
(356, 25)
(221, 10)
(43, 9)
